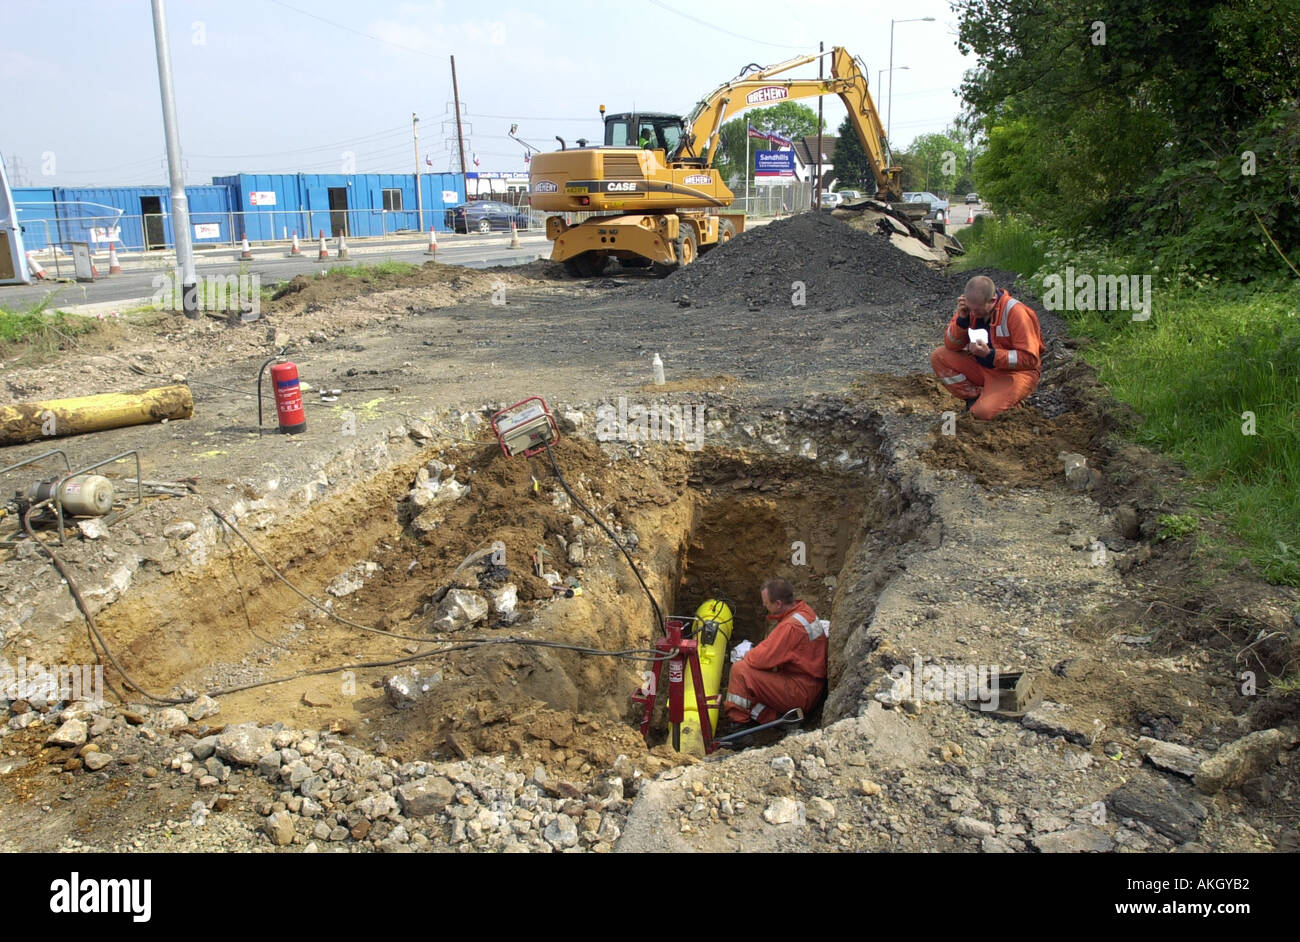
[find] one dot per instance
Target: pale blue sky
(264, 85)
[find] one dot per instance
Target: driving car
(484, 216)
(972, 197)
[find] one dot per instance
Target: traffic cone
(514, 235)
(296, 250)
(244, 251)
(324, 252)
(35, 267)
(970, 214)
(343, 246)
(433, 242)
(114, 266)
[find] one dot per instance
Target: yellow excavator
(657, 198)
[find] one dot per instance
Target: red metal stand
(678, 653)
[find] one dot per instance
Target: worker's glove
(739, 651)
(963, 321)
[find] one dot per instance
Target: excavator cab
(630, 129)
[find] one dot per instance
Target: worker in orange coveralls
(991, 376)
(787, 669)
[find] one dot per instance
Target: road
(270, 266)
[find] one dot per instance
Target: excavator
(654, 195)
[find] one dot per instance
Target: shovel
(790, 718)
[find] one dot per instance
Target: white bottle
(658, 365)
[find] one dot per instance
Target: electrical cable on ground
(659, 616)
(90, 619)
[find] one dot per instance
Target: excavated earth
(353, 671)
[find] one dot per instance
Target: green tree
(789, 119)
(852, 166)
(1105, 116)
(933, 162)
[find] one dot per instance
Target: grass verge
(1216, 373)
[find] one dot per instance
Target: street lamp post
(889, 122)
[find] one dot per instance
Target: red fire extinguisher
(288, 398)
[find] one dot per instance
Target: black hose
(659, 617)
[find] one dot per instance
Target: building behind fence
(263, 207)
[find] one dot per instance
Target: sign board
(261, 198)
(106, 234)
(450, 197)
(774, 163)
(761, 96)
(496, 175)
(85, 270)
(207, 230)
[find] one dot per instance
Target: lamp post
(889, 123)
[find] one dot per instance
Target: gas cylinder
(288, 398)
(86, 495)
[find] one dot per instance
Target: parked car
(937, 217)
(849, 196)
(972, 197)
(484, 216)
(831, 200)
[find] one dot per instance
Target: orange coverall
(786, 670)
(1011, 371)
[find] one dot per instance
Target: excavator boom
(667, 201)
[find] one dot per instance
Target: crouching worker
(787, 669)
(1001, 365)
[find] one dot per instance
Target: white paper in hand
(740, 650)
(978, 335)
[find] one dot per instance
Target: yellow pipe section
(56, 418)
(712, 659)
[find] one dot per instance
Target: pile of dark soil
(839, 266)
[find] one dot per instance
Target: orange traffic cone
(114, 266)
(35, 267)
(514, 235)
(970, 214)
(324, 252)
(296, 250)
(343, 245)
(244, 251)
(433, 242)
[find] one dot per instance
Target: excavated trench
(712, 523)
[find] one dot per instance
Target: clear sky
(309, 85)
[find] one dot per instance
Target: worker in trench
(787, 669)
(999, 366)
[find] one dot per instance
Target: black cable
(659, 617)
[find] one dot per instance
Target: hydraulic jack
(678, 654)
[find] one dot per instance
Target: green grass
(1008, 243)
(1216, 373)
(369, 271)
(33, 333)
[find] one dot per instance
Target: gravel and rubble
(989, 545)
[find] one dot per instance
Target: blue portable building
(263, 206)
(273, 205)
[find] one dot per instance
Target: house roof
(806, 149)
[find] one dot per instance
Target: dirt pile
(839, 266)
(451, 283)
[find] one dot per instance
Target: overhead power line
(357, 32)
(707, 25)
